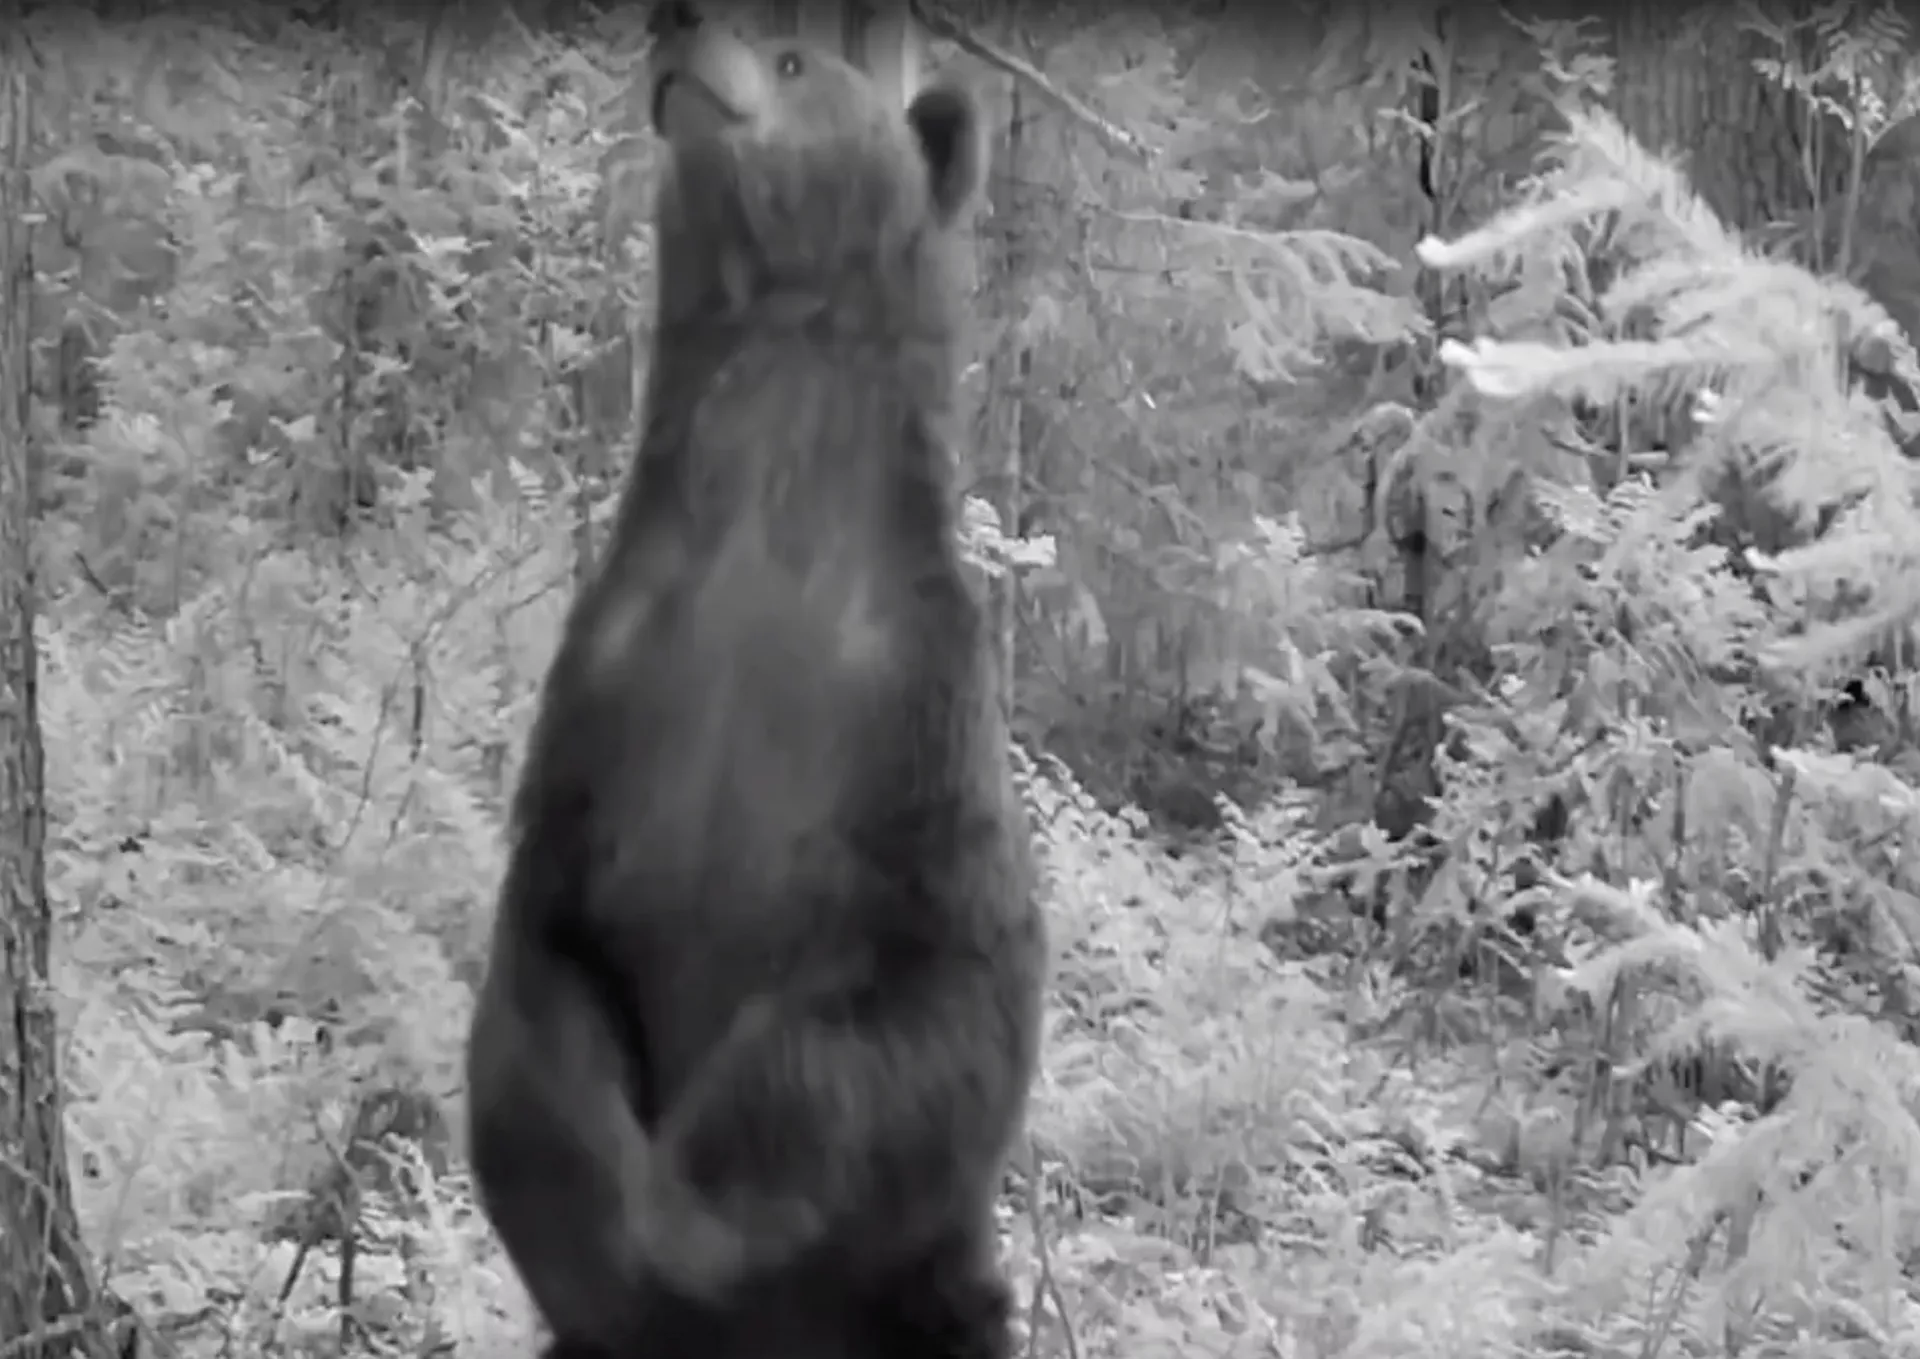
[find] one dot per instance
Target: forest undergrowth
(272, 901)
(276, 832)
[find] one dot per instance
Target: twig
(944, 25)
(1045, 1285)
(1770, 939)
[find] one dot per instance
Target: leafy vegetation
(1461, 607)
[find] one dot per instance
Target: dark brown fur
(764, 999)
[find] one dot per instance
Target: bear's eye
(789, 66)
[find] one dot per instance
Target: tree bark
(1005, 432)
(1685, 84)
(46, 1294)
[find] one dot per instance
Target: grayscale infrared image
(920, 679)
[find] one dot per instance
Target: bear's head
(793, 172)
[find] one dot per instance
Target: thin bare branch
(941, 24)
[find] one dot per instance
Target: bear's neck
(797, 401)
(852, 306)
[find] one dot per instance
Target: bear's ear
(946, 120)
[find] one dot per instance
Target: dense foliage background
(1442, 481)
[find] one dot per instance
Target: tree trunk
(1685, 84)
(1005, 432)
(46, 1296)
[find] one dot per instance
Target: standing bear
(764, 999)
